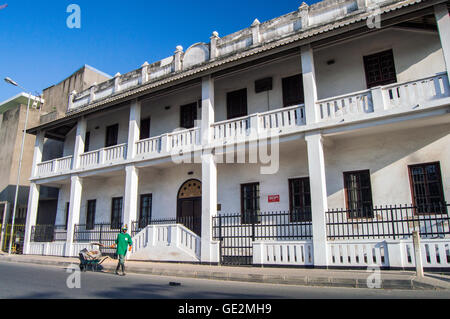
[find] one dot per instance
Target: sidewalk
(286, 276)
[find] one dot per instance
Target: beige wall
(11, 137)
(56, 97)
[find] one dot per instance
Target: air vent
(263, 85)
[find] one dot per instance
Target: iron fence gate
(105, 234)
(237, 233)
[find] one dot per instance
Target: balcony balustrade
(399, 97)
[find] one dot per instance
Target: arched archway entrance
(189, 207)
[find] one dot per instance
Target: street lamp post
(10, 81)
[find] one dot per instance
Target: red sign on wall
(274, 198)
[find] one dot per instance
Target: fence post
(101, 230)
(253, 224)
(392, 221)
(220, 228)
(417, 254)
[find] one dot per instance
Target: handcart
(91, 259)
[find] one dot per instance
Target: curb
(405, 284)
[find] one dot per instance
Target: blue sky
(37, 49)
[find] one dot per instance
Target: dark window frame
(87, 141)
(289, 98)
(440, 187)
(112, 139)
(231, 98)
(246, 219)
(350, 209)
(188, 115)
(116, 212)
(305, 215)
(385, 78)
(90, 214)
(144, 134)
(148, 214)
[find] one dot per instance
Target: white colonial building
(319, 138)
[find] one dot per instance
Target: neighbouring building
(50, 106)
(319, 138)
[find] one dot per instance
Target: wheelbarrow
(91, 259)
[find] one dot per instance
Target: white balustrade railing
(238, 127)
(299, 253)
(283, 118)
(45, 168)
(64, 164)
(435, 253)
(105, 155)
(189, 241)
(340, 106)
(150, 145)
(167, 236)
(114, 153)
(279, 119)
(184, 138)
(47, 249)
(359, 253)
(90, 158)
(58, 165)
(413, 92)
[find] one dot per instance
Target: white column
(130, 206)
(79, 142)
(134, 128)
(209, 174)
(178, 58)
(38, 149)
(76, 188)
(309, 84)
(209, 207)
(443, 23)
(319, 204)
(213, 45)
(32, 211)
(256, 35)
(207, 109)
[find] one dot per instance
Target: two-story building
(319, 138)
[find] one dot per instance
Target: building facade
(319, 138)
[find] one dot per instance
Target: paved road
(42, 282)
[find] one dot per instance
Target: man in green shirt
(123, 242)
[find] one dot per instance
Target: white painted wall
(387, 156)
(257, 102)
(293, 164)
(416, 55)
(380, 153)
(164, 185)
(166, 121)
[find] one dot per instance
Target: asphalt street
(27, 281)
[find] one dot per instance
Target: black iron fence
(192, 223)
(104, 234)
(237, 232)
(394, 221)
(48, 233)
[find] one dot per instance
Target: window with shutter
(112, 133)
(293, 90)
(237, 104)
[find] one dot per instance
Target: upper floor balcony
(395, 72)
(359, 106)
